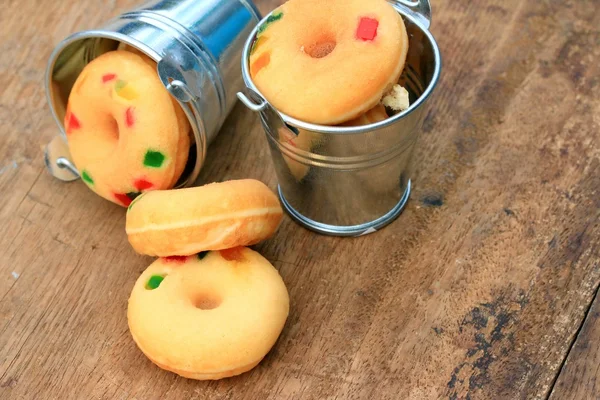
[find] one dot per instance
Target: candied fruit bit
(202, 254)
(108, 77)
(72, 122)
(258, 42)
(125, 90)
(367, 29)
(86, 177)
(123, 198)
(276, 16)
(154, 282)
(154, 159)
(119, 85)
(142, 184)
(175, 259)
(129, 117)
(262, 61)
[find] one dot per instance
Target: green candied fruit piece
(154, 282)
(270, 19)
(120, 84)
(154, 159)
(86, 177)
(202, 254)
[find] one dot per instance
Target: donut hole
(112, 128)
(320, 48)
(206, 301)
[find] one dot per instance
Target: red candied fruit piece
(108, 77)
(367, 28)
(129, 117)
(235, 254)
(72, 122)
(142, 184)
(176, 259)
(123, 198)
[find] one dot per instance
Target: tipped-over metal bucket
(197, 45)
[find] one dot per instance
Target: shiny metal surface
(419, 10)
(350, 181)
(56, 157)
(197, 46)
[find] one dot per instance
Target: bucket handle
(58, 160)
(250, 104)
(420, 10)
(269, 115)
(267, 111)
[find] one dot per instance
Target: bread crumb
(396, 98)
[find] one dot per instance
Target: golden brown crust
(211, 217)
(203, 376)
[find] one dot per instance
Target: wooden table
(485, 287)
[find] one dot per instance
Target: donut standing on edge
(211, 217)
(125, 132)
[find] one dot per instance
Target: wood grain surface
(580, 376)
(477, 291)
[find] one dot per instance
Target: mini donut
(210, 217)
(208, 316)
(126, 133)
(327, 62)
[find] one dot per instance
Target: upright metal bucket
(197, 45)
(350, 181)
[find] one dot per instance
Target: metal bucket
(350, 181)
(197, 45)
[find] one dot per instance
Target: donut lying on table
(125, 132)
(208, 316)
